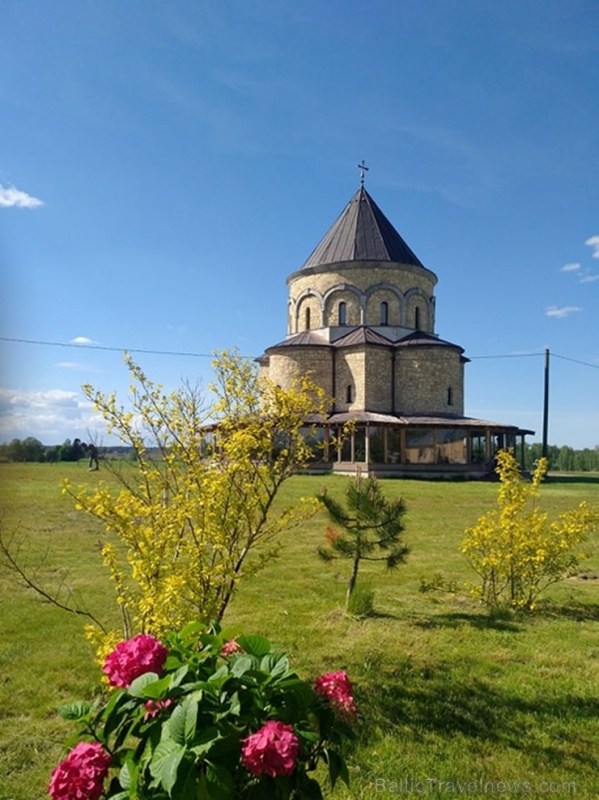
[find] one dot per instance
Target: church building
(361, 322)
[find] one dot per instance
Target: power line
(507, 355)
(103, 347)
(91, 346)
(576, 361)
(526, 355)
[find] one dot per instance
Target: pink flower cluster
(143, 653)
(81, 775)
(154, 707)
(337, 689)
(231, 647)
(273, 750)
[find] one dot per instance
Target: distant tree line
(561, 459)
(564, 458)
(32, 450)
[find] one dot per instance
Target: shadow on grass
(479, 621)
(592, 478)
(441, 701)
(578, 612)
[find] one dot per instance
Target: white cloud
(589, 278)
(15, 198)
(82, 340)
(593, 242)
(51, 415)
(74, 365)
(559, 313)
(570, 267)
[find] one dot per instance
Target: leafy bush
(515, 549)
(199, 716)
(198, 514)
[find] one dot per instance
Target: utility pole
(546, 405)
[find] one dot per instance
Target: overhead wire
(188, 354)
(92, 346)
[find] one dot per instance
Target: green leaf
(242, 664)
(191, 717)
(219, 782)
(204, 740)
(125, 775)
(221, 674)
(165, 763)
(139, 684)
(177, 677)
(156, 689)
(118, 714)
(183, 721)
(255, 645)
(235, 705)
(186, 786)
(276, 664)
(310, 790)
(192, 629)
(74, 711)
(337, 768)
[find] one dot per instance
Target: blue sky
(164, 166)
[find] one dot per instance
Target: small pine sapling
(372, 527)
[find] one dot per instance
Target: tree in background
(195, 514)
(564, 459)
(71, 451)
(372, 527)
(515, 549)
(29, 449)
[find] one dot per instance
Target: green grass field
(452, 702)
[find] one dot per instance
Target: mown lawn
(452, 702)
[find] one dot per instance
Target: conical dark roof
(362, 233)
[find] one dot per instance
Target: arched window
(449, 396)
(350, 394)
(384, 313)
(342, 313)
(307, 319)
(417, 318)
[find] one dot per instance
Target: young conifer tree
(372, 528)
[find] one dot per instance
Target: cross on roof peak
(363, 170)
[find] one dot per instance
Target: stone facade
(430, 380)
(315, 295)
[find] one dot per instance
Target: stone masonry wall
(289, 363)
(349, 372)
(347, 282)
(377, 379)
(423, 377)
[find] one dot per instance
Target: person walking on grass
(94, 464)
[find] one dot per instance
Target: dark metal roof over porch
(422, 421)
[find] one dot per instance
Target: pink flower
(337, 689)
(154, 707)
(273, 750)
(136, 656)
(81, 775)
(231, 647)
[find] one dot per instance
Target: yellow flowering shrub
(195, 514)
(515, 549)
